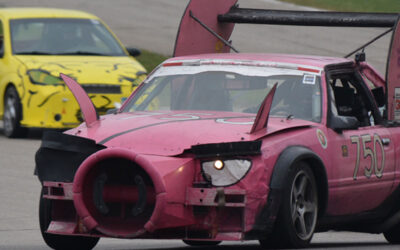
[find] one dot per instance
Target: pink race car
(231, 147)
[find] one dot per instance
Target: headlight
(43, 77)
(225, 172)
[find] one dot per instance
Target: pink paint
(150, 129)
(192, 38)
(88, 110)
(372, 75)
(261, 120)
(393, 76)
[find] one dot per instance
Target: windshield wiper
(33, 53)
(82, 53)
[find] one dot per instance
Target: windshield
(230, 88)
(59, 36)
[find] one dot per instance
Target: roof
(315, 61)
(16, 13)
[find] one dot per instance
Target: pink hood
(171, 133)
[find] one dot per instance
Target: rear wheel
(393, 235)
(13, 114)
(297, 218)
(201, 243)
(61, 242)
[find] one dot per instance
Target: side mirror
(360, 57)
(134, 52)
(339, 123)
(379, 95)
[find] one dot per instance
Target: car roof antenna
(368, 43)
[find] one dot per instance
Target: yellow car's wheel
(13, 114)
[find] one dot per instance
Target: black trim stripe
(159, 123)
(47, 98)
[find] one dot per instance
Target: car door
(363, 163)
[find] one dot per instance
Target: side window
(25, 36)
(351, 98)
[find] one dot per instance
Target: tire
(13, 114)
(393, 235)
(195, 243)
(61, 242)
(298, 214)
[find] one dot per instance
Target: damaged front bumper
(206, 214)
(117, 193)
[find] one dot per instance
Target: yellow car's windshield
(62, 36)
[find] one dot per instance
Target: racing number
(368, 152)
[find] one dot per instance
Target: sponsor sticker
(397, 104)
(345, 151)
(322, 139)
(309, 79)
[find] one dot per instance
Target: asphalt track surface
(152, 25)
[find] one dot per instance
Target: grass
(352, 5)
(150, 60)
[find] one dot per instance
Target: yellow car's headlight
(225, 172)
(43, 77)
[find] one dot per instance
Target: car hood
(169, 134)
(86, 69)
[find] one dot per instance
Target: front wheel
(196, 243)
(13, 114)
(61, 242)
(297, 218)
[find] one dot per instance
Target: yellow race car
(37, 44)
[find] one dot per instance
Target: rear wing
(207, 25)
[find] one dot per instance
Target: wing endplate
(393, 76)
(192, 38)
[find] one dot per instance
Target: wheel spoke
(294, 213)
(310, 207)
(293, 197)
(304, 205)
(10, 108)
(10, 102)
(303, 229)
(303, 185)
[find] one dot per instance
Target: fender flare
(286, 160)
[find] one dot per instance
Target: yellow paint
(42, 102)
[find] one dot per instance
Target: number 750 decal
(368, 152)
